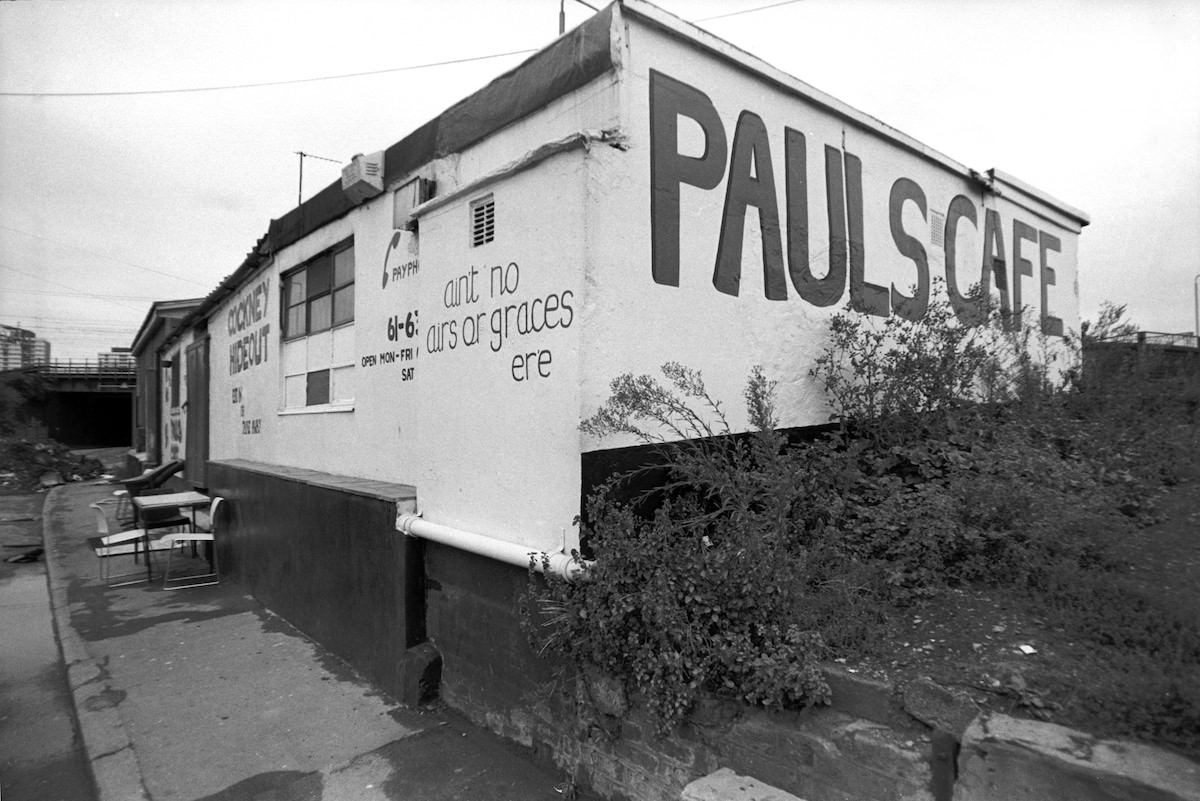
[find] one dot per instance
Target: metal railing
(1184, 340)
(107, 373)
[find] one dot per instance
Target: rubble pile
(27, 465)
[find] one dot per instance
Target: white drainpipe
(558, 563)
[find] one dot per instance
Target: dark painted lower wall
(323, 552)
(473, 605)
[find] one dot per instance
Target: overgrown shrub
(20, 391)
(703, 595)
(962, 457)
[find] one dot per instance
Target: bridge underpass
(85, 404)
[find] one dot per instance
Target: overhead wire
(100, 255)
(367, 73)
(8, 291)
(262, 84)
(115, 299)
(746, 11)
(66, 286)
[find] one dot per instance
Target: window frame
(338, 263)
(328, 256)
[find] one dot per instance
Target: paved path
(204, 694)
(41, 757)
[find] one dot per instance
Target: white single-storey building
(427, 335)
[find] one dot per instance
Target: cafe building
(388, 389)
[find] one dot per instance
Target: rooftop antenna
(562, 14)
(302, 155)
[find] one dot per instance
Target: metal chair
(151, 479)
(209, 538)
(123, 543)
(124, 510)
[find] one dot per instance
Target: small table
(183, 500)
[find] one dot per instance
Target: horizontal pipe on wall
(558, 563)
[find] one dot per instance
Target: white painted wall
(635, 324)
(483, 419)
(448, 394)
(244, 370)
(494, 405)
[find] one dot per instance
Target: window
(318, 333)
(483, 221)
(319, 295)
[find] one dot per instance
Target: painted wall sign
(249, 336)
(405, 331)
(253, 426)
(503, 321)
(400, 259)
(174, 434)
(753, 181)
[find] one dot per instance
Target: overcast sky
(109, 202)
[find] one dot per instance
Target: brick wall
(492, 676)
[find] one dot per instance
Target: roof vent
(483, 221)
(937, 229)
(362, 178)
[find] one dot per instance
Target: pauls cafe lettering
(249, 334)
(752, 182)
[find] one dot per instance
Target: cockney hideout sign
(1020, 259)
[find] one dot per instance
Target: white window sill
(324, 408)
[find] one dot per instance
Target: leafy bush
(962, 457)
(703, 595)
(20, 391)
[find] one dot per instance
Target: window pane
(318, 388)
(293, 323)
(343, 384)
(294, 387)
(343, 267)
(293, 289)
(343, 305)
(319, 274)
(318, 313)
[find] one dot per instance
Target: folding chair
(145, 484)
(187, 581)
(124, 511)
(107, 545)
(151, 479)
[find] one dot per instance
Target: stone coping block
(1005, 758)
(725, 785)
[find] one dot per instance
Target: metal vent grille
(937, 229)
(483, 221)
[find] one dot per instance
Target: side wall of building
(750, 213)
(173, 398)
(460, 385)
(736, 219)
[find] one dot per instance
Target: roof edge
(715, 45)
(153, 319)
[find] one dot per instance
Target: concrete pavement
(204, 694)
(40, 754)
